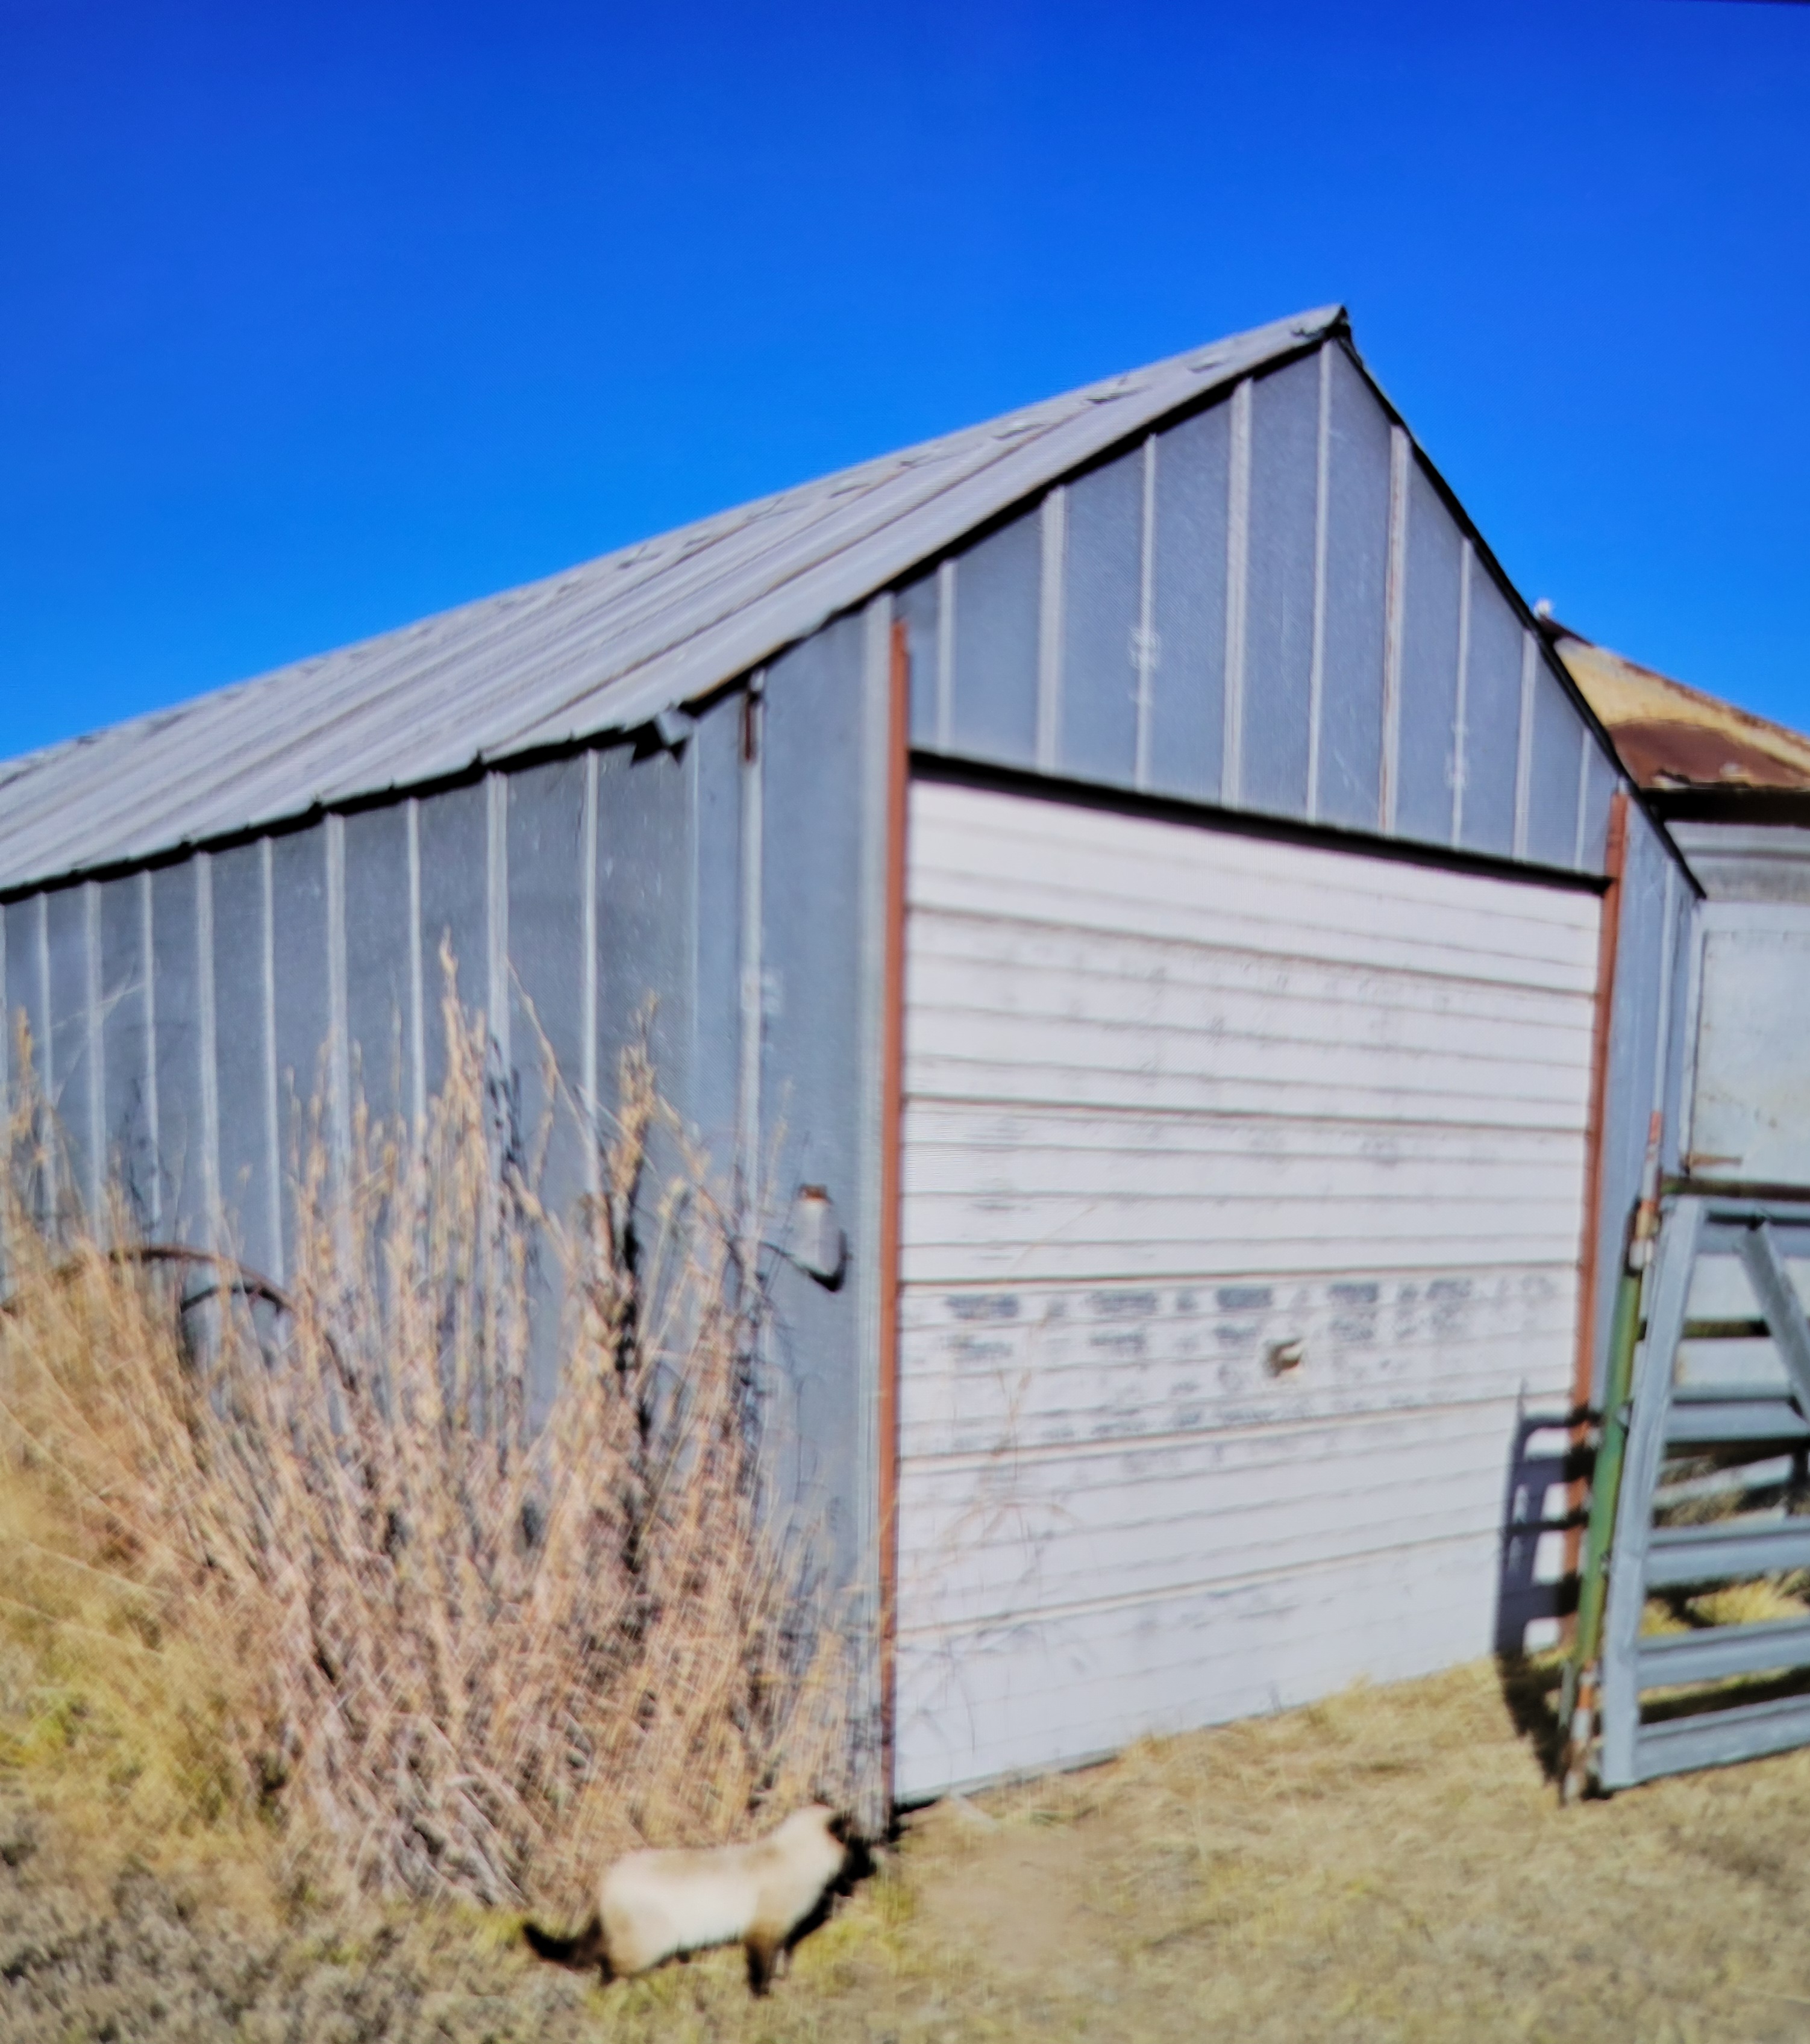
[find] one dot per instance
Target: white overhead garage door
(1177, 1100)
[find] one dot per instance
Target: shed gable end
(1267, 605)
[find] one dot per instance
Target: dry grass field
(320, 1662)
(1390, 1865)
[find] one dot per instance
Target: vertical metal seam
(1591, 1264)
(587, 982)
(1145, 648)
(1690, 1017)
(1053, 531)
(339, 1025)
(692, 767)
(41, 943)
(273, 1122)
(47, 1058)
(945, 656)
(1395, 612)
(153, 1120)
(214, 1222)
(1584, 749)
(496, 914)
(418, 991)
(1237, 566)
(1461, 698)
(871, 1235)
(753, 821)
(6, 1103)
(96, 1057)
(1668, 945)
(1322, 520)
(1524, 747)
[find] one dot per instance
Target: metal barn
(1142, 860)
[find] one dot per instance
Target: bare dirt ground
(1391, 1865)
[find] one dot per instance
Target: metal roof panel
(606, 646)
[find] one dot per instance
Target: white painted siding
(1174, 1096)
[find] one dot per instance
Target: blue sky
(315, 320)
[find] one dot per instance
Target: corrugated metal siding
(1174, 1095)
(1268, 608)
(812, 1070)
(195, 1023)
(1648, 1049)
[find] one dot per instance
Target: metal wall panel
(1187, 706)
(176, 982)
(1744, 862)
(713, 1012)
(1750, 1106)
(28, 994)
(811, 1074)
(1279, 599)
(66, 943)
(248, 1171)
(128, 1051)
(1429, 664)
(1553, 793)
(454, 858)
(1600, 784)
(1357, 573)
(918, 611)
(546, 890)
(1176, 1097)
(1102, 582)
(298, 888)
(546, 836)
(380, 942)
(646, 917)
(996, 587)
(1647, 1025)
(1677, 969)
(1492, 719)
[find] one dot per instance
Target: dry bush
(437, 1647)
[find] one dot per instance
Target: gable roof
(609, 646)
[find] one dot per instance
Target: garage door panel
(1081, 1365)
(1173, 1098)
(1074, 869)
(1182, 986)
(983, 1702)
(1160, 1164)
(1062, 1529)
(1436, 955)
(1080, 1259)
(1448, 1082)
(1037, 1082)
(954, 1145)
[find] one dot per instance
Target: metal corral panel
(1176, 1097)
